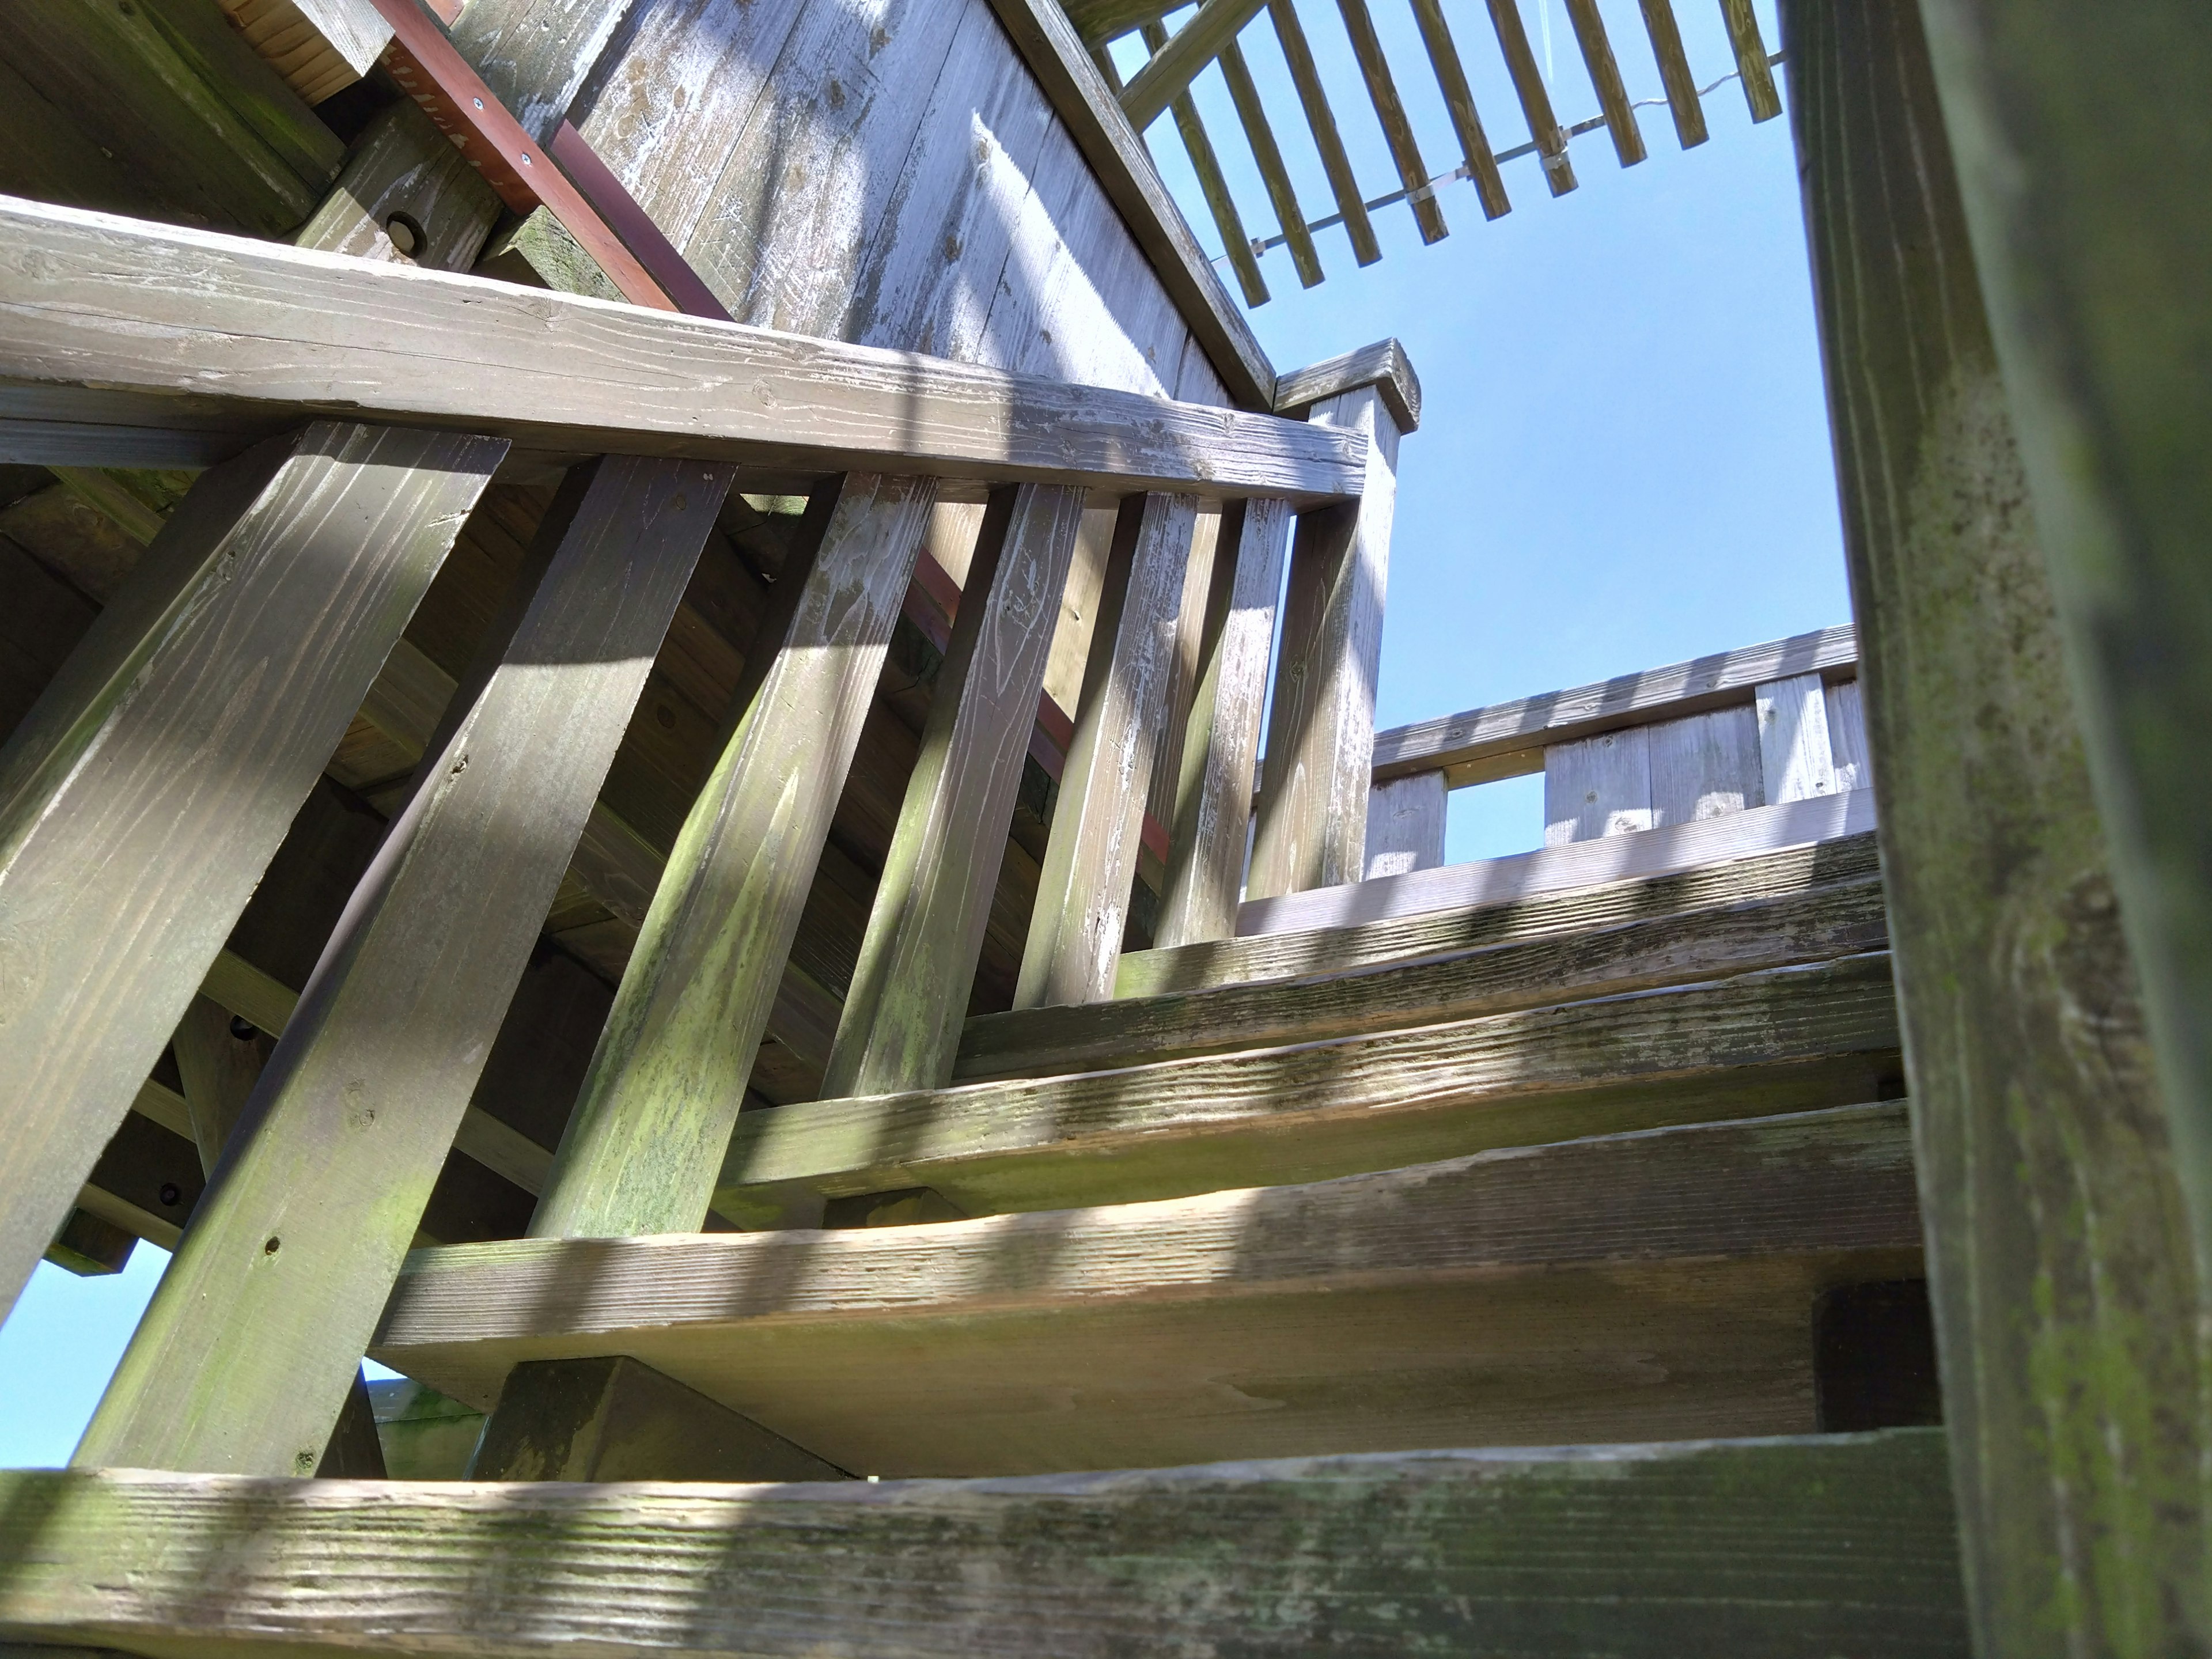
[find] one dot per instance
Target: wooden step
(1763, 1549)
(1786, 1040)
(1433, 932)
(1640, 1286)
(1813, 926)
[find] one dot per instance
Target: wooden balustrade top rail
(123, 341)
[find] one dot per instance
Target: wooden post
(2058, 1260)
(144, 794)
(1321, 735)
(901, 1025)
(1221, 742)
(246, 1353)
(219, 1068)
(1083, 893)
(2081, 140)
(645, 1142)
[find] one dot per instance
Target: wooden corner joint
(1384, 366)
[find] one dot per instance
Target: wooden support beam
(1221, 740)
(1268, 155)
(1605, 76)
(319, 47)
(1312, 828)
(219, 1066)
(1799, 1548)
(1313, 98)
(2072, 1374)
(1390, 111)
(1176, 59)
(643, 1144)
(223, 331)
(1459, 100)
(1758, 76)
(1082, 894)
(322, 1189)
(144, 792)
(1383, 365)
(1206, 166)
(1536, 99)
(900, 1023)
(2089, 231)
(1683, 102)
(405, 182)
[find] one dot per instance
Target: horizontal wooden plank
(1798, 1548)
(1643, 1286)
(1632, 955)
(1506, 739)
(1384, 366)
(87, 300)
(1780, 1041)
(1681, 846)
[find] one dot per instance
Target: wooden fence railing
(353, 413)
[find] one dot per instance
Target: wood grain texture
(536, 55)
(1313, 98)
(1759, 89)
(1796, 1548)
(1599, 787)
(1475, 153)
(1682, 99)
(1390, 115)
(1708, 765)
(1405, 826)
(1383, 365)
(1847, 739)
(218, 1069)
(1506, 739)
(1328, 950)
(1794, 757)
(1177, 58)
(1220, 757)
(1091, 861)
(1605, 76)
(1779, 1041)
(641, 1148)
(404, 166)
(145, 791)
(1125, 1336)
(321, 1192)
(318, 46)
(1600, 960)
(85, 298)
(899, 1027)
(1535, 98)
(2061, 1274)
(1205, 167)
(1268, 156)
(1312, 825)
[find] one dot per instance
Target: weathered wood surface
(1598, 787)
(1535, 99)
(1794, 759)
(900, 1026)
(2061, 1277)
(2078, 142)
(1311, 829)
(1330, 950)
(404, 167)
(1083, 893)
(1405, 827)
(1793, 1548)
(323, 1187)
(642, 1147)
(1781, 1040)
(1707, 766)
(1682, 99)
(1835, 920)
(1383, 365)
(1752, 67)
(1205, 167)
(1507, 739)
(1481, 164)
(1553, 869)
(318, 46)
(1268, 156)
(141, 796)
(218, 1067)
(1390, 115)
(1177, 58)
(221, 326)
(1605, 76)
(1220, 759)
(1641, 1287)
(1313, 98)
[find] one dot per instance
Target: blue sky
(1624, 457)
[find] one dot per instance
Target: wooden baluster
(901, 1026)
(644, 1143)
(2065, 1304)
(1405, 825)
(144, 794)
(1221, 742)
(1082, 894)
(246, 1353)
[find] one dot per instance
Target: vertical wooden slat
(1405, 825)
(1320, 735)
(1451, 80)
(1535, 101)
(1795, 761)
(1390, 111)
(1221, 742)
(1269, 155)
(142, 795)
(1200, 591)
(244, 1355)
(2066, 1309)
(1597, 787)
(1759, 88)
(1083, 893)
(1706, 766)
(1297, 54)
(1211, 184)
(1682, 99)
(901, 1024)
(646, 1139)
(1605, 76)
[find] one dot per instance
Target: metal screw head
(171, 1193)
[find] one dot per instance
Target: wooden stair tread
(1823, 922)
(1646, 1286)
(1784, 1040)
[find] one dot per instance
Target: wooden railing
(350, 414)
